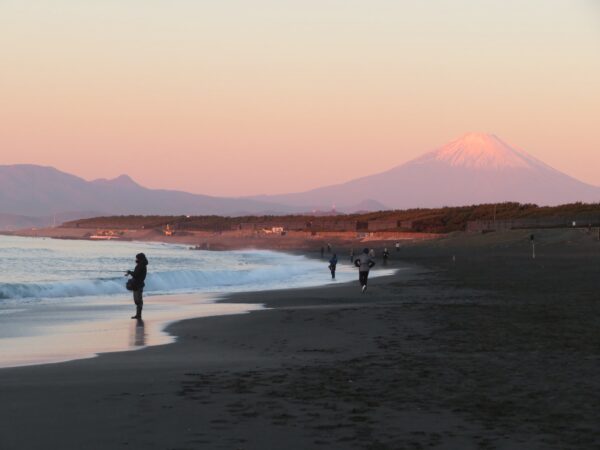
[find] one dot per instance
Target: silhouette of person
(386, 255)
(332, 264)
(138, 277)
(364, 263)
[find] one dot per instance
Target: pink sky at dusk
(241, 98)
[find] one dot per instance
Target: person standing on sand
(364, 263)
(351, 256)
(386, 255)
(372, 253)
(397, 246)
(138, 276)
(332, 264)
(322, 251)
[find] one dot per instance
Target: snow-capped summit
(476, 168)
(481, 151)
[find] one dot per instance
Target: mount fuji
(476, 168)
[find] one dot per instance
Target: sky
(238, 97)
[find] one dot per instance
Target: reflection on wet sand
(66, 336)
(137, 334)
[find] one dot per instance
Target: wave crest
(161, 282)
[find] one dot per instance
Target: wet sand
(65, 332)
(487, 350)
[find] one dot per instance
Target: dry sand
(492, 351)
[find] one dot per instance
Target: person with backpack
(364, 263)
(136, 283)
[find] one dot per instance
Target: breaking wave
(163, 283)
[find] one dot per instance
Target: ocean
(66, 299)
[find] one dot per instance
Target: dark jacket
(139, 273)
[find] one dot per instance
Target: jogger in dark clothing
(138, 276)
(364, 263)
(363, 277)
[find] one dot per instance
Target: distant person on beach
(351, 256)
(364, 263)
(328, 248)
(372, 253)
(322, 251)
(386, 255)
(397, 246)
(138, 276)
(332, 264)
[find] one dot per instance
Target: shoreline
(146, 333)
(237, 240)
(109, 332)
(492, 351)
(65, 331)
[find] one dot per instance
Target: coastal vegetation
(437, 220)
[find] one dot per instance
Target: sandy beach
(471, 345)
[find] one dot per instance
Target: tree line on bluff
(436, 220)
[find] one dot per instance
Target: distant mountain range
(38, 196)
(31, 190)
(477, 168)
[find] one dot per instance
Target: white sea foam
(47, 269)
(61, 289)
(169, 282)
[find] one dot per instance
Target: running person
(364, 263)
